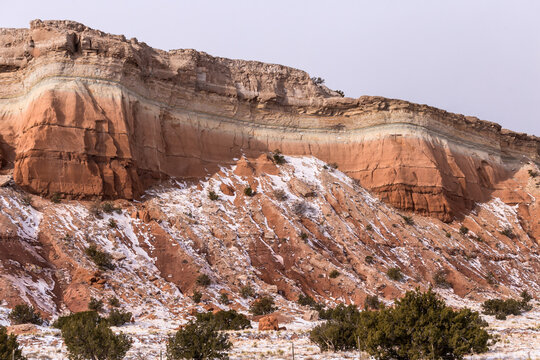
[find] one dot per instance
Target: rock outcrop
(86, 114)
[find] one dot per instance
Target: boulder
(269, 322)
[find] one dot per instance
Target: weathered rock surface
(88, 114)
(269, 322)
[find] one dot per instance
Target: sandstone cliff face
(88, 114)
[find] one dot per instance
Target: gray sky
(476, 57)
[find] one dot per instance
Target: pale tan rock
(269, 322)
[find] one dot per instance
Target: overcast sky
(476, 57)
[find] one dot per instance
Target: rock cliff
(86, 114)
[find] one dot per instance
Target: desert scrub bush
(114, 302)
(26, 200)
(463, 230)
(306, 300)
(440, 279)
(102, 259)
(109, 208)
(224, 299)
(533, 173)
(278, 158)
(95, 305)
(317, 80)
(301, 208)
(118, 317)
(56, 197)
(508, 233)
(418, 326)
(224, 320)
(88, 336)
(112, 223)
(502, 308)
(247, 291)
(212, 195)
(203, 280)
(394, 274)
(9, 346)
(196, 297)
(25, 314)
(334, 274)
(248, 191)
(340, 93)
(490, 278)
(369, 227)
(372, 302)
(262, 306)
(408, 220)
(303, 236)
(369, 259)
(280, 194)
(198, 341)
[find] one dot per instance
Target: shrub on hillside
(25, 314)
(102, 259)
(198, 341)
(463, 230)
(196, 297)
(418, 326)
(224, 299)
(9, 347)
(334, 274)
(263, 306)
(372, 302)
(203, 280)
(95, 305)
(88, 336)
(248, 191)
(394, 274)
(224, 320)
(440, 279)
(118, 317)
(502, 308)
(114, 302)
(278, 158)
(212, 195)
(247, 291)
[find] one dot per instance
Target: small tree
(102, 259)
(334, 274)
(262, 306)
(198, 341)
(196, 297)
(212, 195)
(118, 318)
(9, 347)
(278, 158)
(372, 302)
(394, 274)
(88, 336)
(248, 191)
(440, 279)
(224, 299)
(114, 302)
(203, 280)
(25, 314)
(247, 291)
(95, 305)
(225, 320)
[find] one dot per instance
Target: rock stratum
(87, 116)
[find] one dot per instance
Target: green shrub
(463, 230)
(56, 197)
(87, 336)
(448, 235)
(112, 223)
(408, 220)
(247, 291)
(198, 341)
(95, 305)
(278, 158)
(203, 280)
(196, 297)
(533, 173)
(306, 300)
(262, 306)
(334, 336)
(340, 313)
(224, 299)
(9, 347)
(114, 302)
(118, 318)
(369, 259)
(303, 236)
(369, 227)
(502, 308)
(248, 191)
(212, 195)
(108, 207)
(508, 233)
(102, 259)
(490, 278)
(372, 302)
(440, 279)
(317, 80)
(224, 320)
(25, 314)
(334, 274)
(394, 274)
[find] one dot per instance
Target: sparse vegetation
(118, 317)
(508, 233)
(369, 259)
(463, 230)
(340, 93)
(9, 346)
(419, 325)
(301, 208)
(88, 336)
(56, 197)
(278, 158)
(26, 200)
(102, 259)
(248, 191)
(306, 300)
(394, 274)
(280, 194)
(198, 340)
(247, 291)
(196, 297)
(369, 227)
(490, 278)
(533, 173)
(109, 208)
(25, 314)
(224, 320)
(112, 223)
(303, 236)
(212, 195)
(440, 279)
(114, 302)
(333, 165)
(372, 302)
(317, 80)
(203, 280)
(502, 308)
(448, 235)
(95, 305)
(262, 306)
(334, 274)
(224, 299)
(408, 220)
